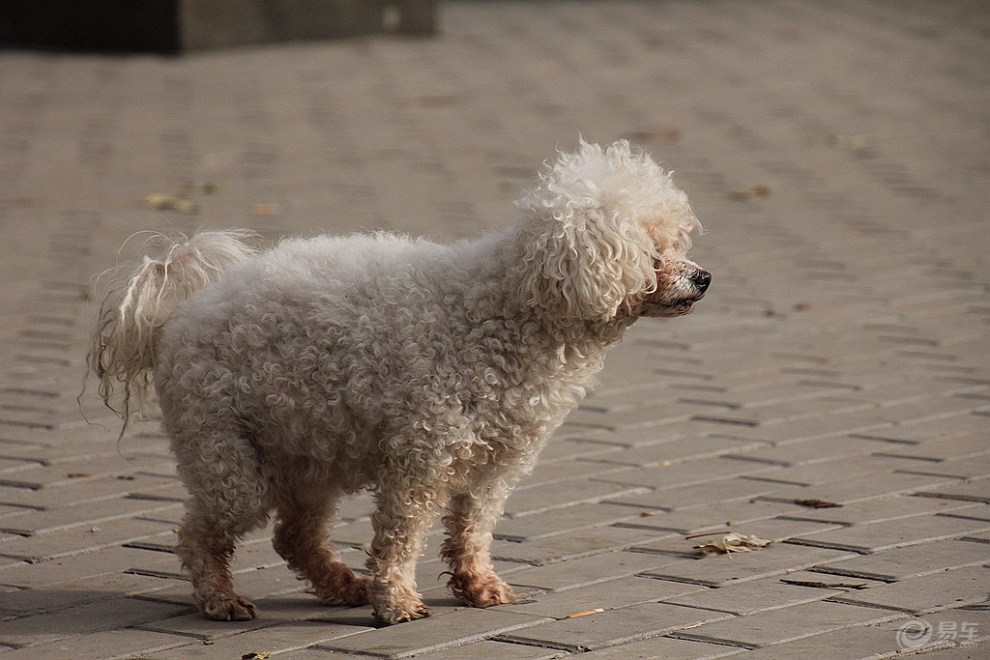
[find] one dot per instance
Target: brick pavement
(838, 155)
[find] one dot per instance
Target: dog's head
(607, 236)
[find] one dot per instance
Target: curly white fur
(431, 374)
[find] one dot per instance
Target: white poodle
(430, 374)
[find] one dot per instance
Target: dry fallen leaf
(262, 209)
(816, 503)
(733, 542)
(748, 194)
(77, 475)
(256, 655)
(161, 202)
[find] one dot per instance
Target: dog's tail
(135, 309)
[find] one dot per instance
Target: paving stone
(570, 493)
(69, 542)
(612, 627)
(683, 474)
(673, 451)
(494, 649)
(970, 446)
(754, 596)
(969, 468)
(575, 545)
(121, 643)
(562, 521)
(722, 570)
(876, 537)
(603, 567)
(828, 471)
(435, 633)
(85, 490)
(76, 592)
(270, 639)
(974, 491)
(946, 589)
(880, 509)
(958, 426)
(605, 595)
(786, 624)
(914, 561)
(694, 498)
(811, 451)
(858, 489)
(80, 567)
(664, 648)
(30, 523)
(105, 615)
(852, 643)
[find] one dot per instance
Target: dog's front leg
(401, 522)
(469, 524)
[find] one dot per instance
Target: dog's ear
(580, 257)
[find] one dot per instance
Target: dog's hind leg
(227, 501)
(301, 539)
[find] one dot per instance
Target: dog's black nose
(702, 279)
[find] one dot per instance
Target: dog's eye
(657, 263)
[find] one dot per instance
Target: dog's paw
(398, 613)
(481, 590)
(223, 607)
(352, 592)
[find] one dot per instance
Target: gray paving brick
(852, 643)
(973, 491)
(605, 595)
(77, 540)
(613, 627)
(105, 615)
(811, 452)
(580, 543)
(914, 561)
(119, 643)
(859, 489)
(31, 523)
(665, 648)
(876, 537)
(938, 429)
(711, 516)
(680, 449)
(562, 521)
(582, 572)
(757, 595)
(721, 570)
(685, 474)
(546, 497)
(80, 567)
(880, 509)
(434, 633)
(692, 498)
(493, 649)
(946, 589)
(786, 624)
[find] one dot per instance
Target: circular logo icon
(914, 634)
